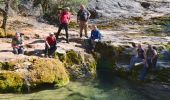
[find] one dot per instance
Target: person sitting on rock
(138, 55)
(50, 45)
(18, 44)
(151, 55)
(64, 20)
(95, 37)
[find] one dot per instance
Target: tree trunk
(5, 15)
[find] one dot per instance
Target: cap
(51, 33)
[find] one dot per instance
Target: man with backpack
(82, 18)
(151, 55)
(18, 44)
(64, 20)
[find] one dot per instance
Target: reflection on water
(106, 87)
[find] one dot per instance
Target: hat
(67, 8)
(51, 33)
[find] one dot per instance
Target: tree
(5, 13)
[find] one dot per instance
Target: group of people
(83, 16)
(147, 57)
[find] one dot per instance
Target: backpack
(84, 15)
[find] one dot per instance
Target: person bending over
(50, 45)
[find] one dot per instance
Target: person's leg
(46, 50)
(59, 30)
(90, 44)
(15, 50)
(93, 44)
(21, 50)
(81, 28)
(66, 30)
(154, 62)
(85, 29)
(145, 70)
(52, 50)
(132, 62)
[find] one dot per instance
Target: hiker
(64, 20)
(82, 19)
(50, 45)
(95, 37)
(18, 44)
(151, 54)
(138, 55)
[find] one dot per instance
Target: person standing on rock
(95, 37)
(151, 55)
(64, 20)
(50, 45)
(138, 55)
(82, 18)
(18, 44)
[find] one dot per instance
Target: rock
(80, 65)
(27, 8)
(23, 75)
(128, 8)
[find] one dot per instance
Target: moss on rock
(48, 71)
(73, 58)
(32, 73)
(11, 82)
(80, 65)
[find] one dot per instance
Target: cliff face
(128, 8)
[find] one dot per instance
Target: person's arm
(13, 44)
(46, 42)
(78, 16)
(89, 14)
(145, 58)
(99, 35)
(69, 17)
(155, 54)
(92, 34)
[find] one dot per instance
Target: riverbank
(76, 63)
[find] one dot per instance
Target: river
(105, 87)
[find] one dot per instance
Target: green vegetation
(48, 71)
(11, 82)
(41, 72)
(79, 65)
(73, 58)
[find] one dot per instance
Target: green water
(106, 87)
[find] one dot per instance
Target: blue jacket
(95, 34)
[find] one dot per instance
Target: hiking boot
(86, 36)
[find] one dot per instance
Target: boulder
(27, 8)
(27, 74)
